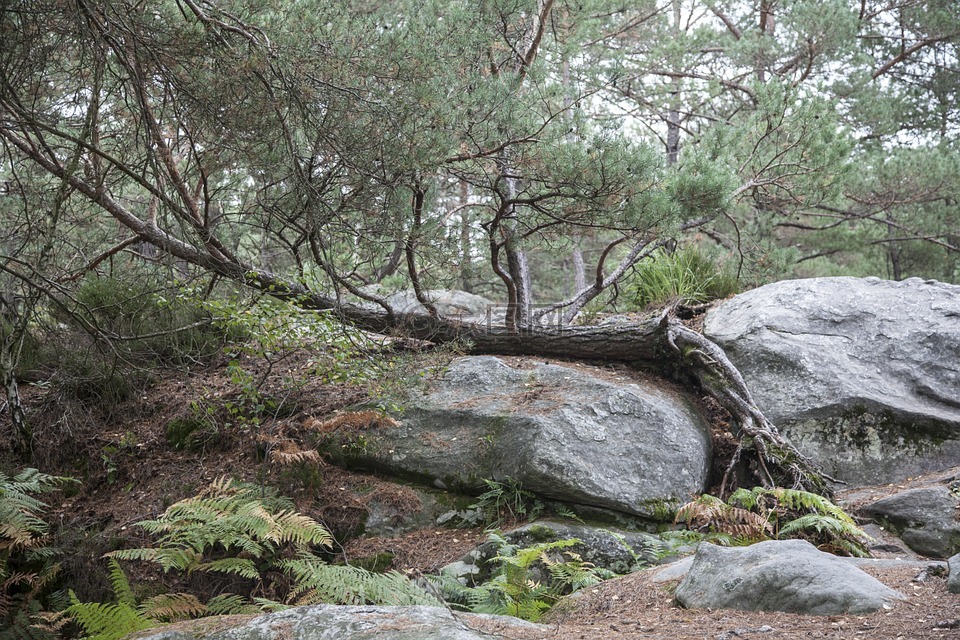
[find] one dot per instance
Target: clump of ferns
(258, 542)
(754, 515)
(527, 581)
(28, 567)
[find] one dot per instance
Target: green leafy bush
(155, 321)
(687, 275)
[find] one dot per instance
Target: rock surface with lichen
(332, 622)
(780, 575)
(861, 374)
(570, 433)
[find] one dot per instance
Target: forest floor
(131, 472)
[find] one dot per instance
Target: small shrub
(159, 322)
(688, 275)
(93, 379)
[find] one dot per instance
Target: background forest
(180, 174)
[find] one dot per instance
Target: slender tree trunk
(466, 245)
(19, 429)
(12, 333)
(579, 267)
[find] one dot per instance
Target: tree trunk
(12, 331)
(579, 267)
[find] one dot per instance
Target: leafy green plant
(278, 327)
(27, 563)
(231, 528)
(687, 275)
(801, 514)
(507, 501)
(753, 515)
(159, 322)
(110, 621)
(317, 582)
(527, 581)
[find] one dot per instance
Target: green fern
(229, 519)
(507, 501)
(227, 604)
(513, 589)
(122, 590)
(242, 530)
(27, 563)
(29, 624)
(317, 582)
(107, 621)
(171, 607)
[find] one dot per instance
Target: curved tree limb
(776, 462)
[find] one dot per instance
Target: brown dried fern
(708, 513)
(356, 420)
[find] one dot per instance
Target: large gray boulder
(330, 622)
(862, 375)
(780, 575)
(925, 519)
(571, 433)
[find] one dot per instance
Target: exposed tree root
(762, 450)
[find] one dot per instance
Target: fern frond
(302, 530)
(121, 585)
(27, 626)
(238, 566)
(711, 513)
(746, 498)
(171, 607)
(265, 605)
(317, 582)
(357, 420)
(106, 621)
(805, 501)
(815, 522)
(180, 559)
(227, 604)
(296, 456)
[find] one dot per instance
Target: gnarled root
(771, 457)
